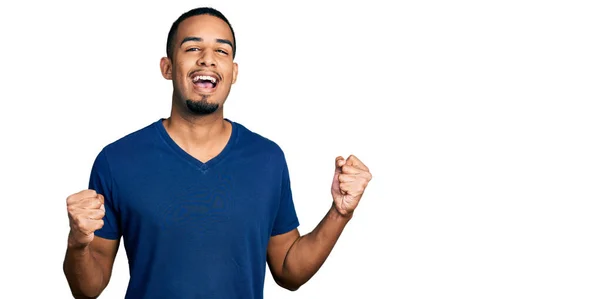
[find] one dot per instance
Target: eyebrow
(199, 39)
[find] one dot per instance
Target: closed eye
(192, 49)
(222, 51)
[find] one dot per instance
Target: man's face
(202, 67)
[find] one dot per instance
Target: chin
(202, 106)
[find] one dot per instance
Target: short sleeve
(286, 219)
(101, 181)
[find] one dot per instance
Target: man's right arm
(89, 259)
(88, 269)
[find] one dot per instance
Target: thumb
(339, 162)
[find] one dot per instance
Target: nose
(206, 59)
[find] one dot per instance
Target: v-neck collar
(202, 166)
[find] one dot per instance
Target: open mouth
(205, 82)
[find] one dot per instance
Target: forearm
(84, 274)
(310, 251)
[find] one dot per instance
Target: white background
(479, 121)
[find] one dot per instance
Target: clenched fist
(350, 179)
(86, 210)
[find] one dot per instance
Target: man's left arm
(294, 259)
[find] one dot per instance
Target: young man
(202, 203)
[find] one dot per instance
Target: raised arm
(294, 259)
(89, 259)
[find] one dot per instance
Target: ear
(235, 72)
(166, 68)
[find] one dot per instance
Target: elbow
(292, 289)
(82, 295)
(291, 286)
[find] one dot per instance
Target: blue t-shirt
(193, 229)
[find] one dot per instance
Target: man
(202, 203)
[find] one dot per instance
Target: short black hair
(196, 12)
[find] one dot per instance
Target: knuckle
(90, 202)
(78, 222)
(71, 199)
(81, 218)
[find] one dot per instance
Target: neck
(198, 132)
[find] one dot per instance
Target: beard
(202, 107)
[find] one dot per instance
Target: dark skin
(204, 46)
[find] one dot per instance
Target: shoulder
(248, 137)
(128, 145)
(257, 145)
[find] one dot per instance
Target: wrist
(335, 214)
(74, 245)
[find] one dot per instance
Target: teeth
(208, 78)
